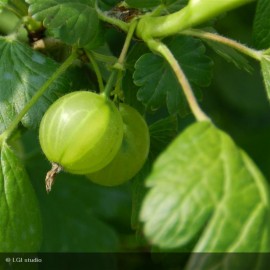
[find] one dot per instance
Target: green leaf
(73, 192)
(130, 92)
(161, 133)
(158, 84)
(98, 40)
(72, 211)
(171, 2)
(143, 3)
(77, 213)
(138, 192)
(231, 55)
(265, 66)
(261, 27)
(23, 71)
(19, 6)
(107, 4)
(20, 224)
(92, 234)
(204, 187)
(74, 22)
(134, 54)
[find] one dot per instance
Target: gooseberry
(81, 132)
(132, 153)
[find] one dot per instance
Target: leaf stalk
(256, 54)
(162, 49)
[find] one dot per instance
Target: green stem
(107, 59)
(124, 51)
(119, 65)
(118, 84)
(161, 48)
(110, 83)
(194, 13)
(229, 42)
(116, 22)
(97, 71)
(7, 133)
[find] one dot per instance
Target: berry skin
(132, 153)
(82, 132)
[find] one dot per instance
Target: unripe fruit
(82, 132)
(132, 153)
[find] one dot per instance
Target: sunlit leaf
(20, 223)
(75, 22)
(23, 71)
(204, 188)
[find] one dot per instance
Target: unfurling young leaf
(20, 224)
(203, 188)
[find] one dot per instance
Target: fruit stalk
(97, 70)
(50, 176)
(119, 65)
